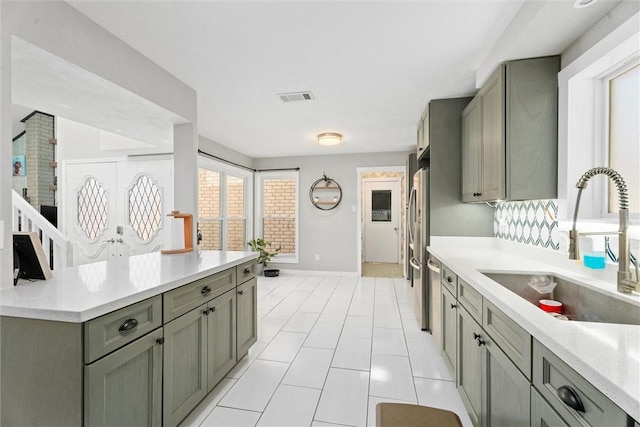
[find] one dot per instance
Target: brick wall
(210, 222)
(279, 214)
(39, 154)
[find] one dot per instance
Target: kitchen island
(138, 340)
(606, 355)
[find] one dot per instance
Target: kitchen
(183, 200)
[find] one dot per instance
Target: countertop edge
(117, 303)
(622, 397)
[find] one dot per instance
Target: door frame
(359, 219)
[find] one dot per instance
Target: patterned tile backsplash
(531, 222)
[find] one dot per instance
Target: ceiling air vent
(296, 96)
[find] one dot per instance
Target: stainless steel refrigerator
(435, 207)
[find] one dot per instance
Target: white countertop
(81, 293)
(607, 355)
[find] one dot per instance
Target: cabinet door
(471, 150)
(221, 342)
(185, 364)
(449, 342)
(542, 414)
(506, 392)
(125, 387)
(469, 373)
(247, 316)
(493, 142)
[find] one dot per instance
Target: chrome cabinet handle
(128, 325)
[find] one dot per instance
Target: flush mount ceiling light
(579, 4)
(329, 138)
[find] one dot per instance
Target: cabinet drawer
(470, 299)
(449, 279)
(111, 331)
(185, 298)
(550, 374)
(510, 337)
(246, 271)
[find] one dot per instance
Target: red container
(551, 306)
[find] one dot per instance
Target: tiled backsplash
(531, 222)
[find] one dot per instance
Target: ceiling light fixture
(579, 4)
(329, 138)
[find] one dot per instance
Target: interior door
(90, 210)
(117, 208)
(382, 220)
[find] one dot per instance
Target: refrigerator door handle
(433, 267)
(412, 220)
(414, 264)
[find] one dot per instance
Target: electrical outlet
(317, 257)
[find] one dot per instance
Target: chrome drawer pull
(128, 325)
(570, 398)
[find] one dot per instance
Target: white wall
(331, 234)
(66, 33)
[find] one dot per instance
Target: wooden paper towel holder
(188, 243)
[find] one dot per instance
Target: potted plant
(264, 255)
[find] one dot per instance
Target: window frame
(247, 176)
(260, 177)
(583, 123)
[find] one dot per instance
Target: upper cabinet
(510, 134)
(423, 135)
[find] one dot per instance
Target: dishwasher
(435, 300)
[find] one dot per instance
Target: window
(597, 119)
(278, 213)
(223, 211)
(624, 135)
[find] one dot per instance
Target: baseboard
(318, 273)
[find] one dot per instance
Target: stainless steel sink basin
(579, 302)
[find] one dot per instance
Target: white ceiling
(371, 65)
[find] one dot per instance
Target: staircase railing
(57, 248)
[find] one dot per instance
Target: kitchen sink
(579, 302)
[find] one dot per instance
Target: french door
(117, 208)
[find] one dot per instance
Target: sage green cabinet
(221, 338)
(200, 349)
(125, 387)
(542, 414)
(185, 364)
(247, 329)
(505, 391)
(509, 134)
(449, 342)
(469, 371)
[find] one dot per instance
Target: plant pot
(271, 272)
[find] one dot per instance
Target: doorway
(116, 208)
(382, 221)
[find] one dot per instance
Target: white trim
(580, 123)
(226, 170)
(359, 172)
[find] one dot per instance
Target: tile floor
(329, 349)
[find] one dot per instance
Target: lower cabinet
(125, 387)
(247, 327)
(200, 350)
(542, 414)
(449, 341)
(469, 372)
